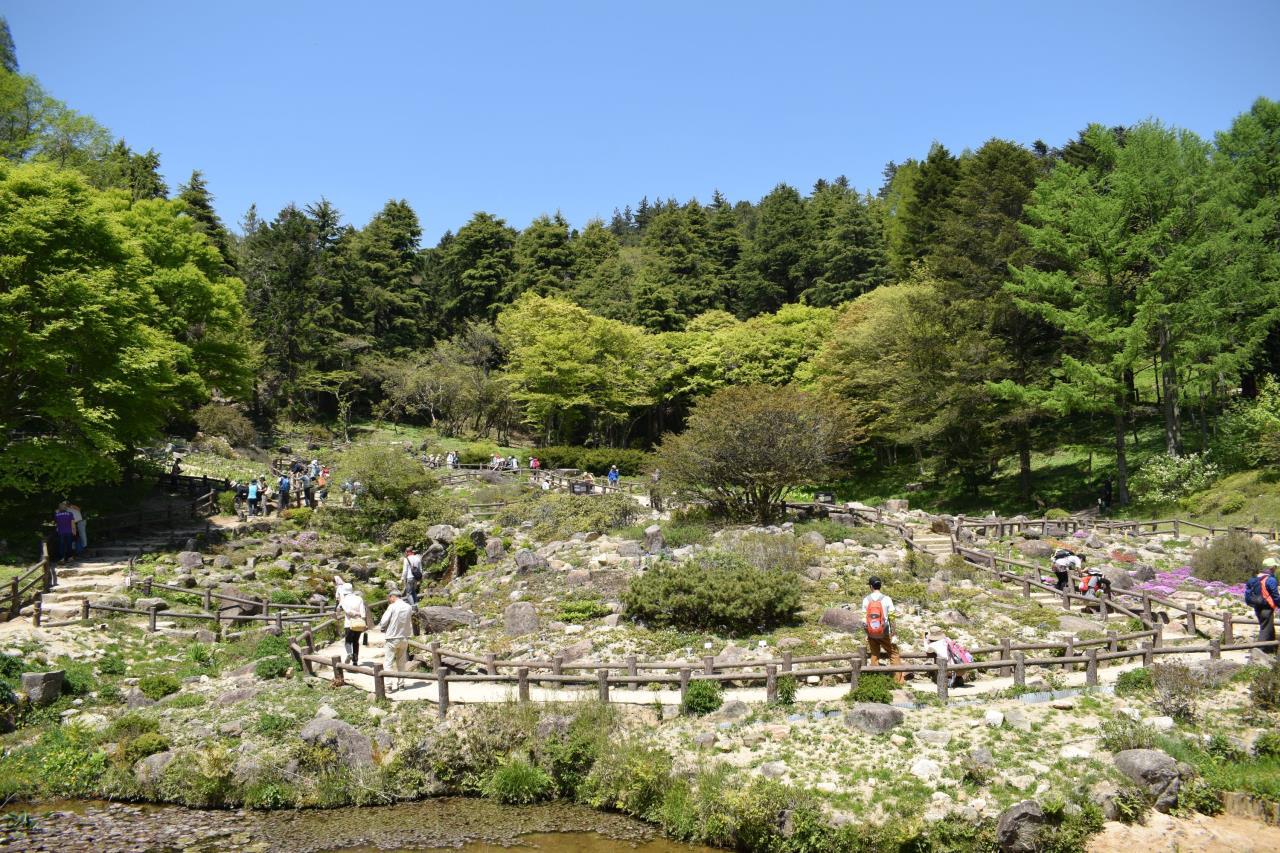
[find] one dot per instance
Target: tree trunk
(1024, 462)
(1172, 417)
(1122, 468)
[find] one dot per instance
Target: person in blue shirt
(613, 475)
(1263, 595)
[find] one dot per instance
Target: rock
(787, 643)
(953, 617)
(1143, 573)
(1120, 578)
(240, 694)
(519, 619)
(896, 505)
(1075, 624)
(813, 539)
(842, 619)
(1103, 794)
(204, 635)
(494, 549)
(1214, 673)
(653, 539)
(1093, 540)
(980, 756)
(148, 603)
(936, 588)
(443, 533)
(993, 719)
(1018, 827)
(734, 709)
(1036, 549)
(873, 717)
(93, 722)
(773, 770)
(231, 728)
(529, 561)
(436, 618)
(43, 688)
(926, 769)
(553, 726)
(324, 712)
(353, 748)
(934, 737)
(1017, 718)
(612, 620)
(190, 560)
(1155, 771)
(577, 651)
(577, 577)
(1074, 751)
(940, 526)
(704, 740)
(148, 771)
(136, 699)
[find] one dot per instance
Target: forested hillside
(978, 309)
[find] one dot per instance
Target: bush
(1175, 686)
(1232, 501)
(200, 779)
(1233, 558)
(873, 687)
(395, 485)
(227, 503)
(1267, 745)
(133, 751)
(299, 515)
(787, 690)
(629, 778)
(715, 591)
(702, 697)
(766, 551)
(1056, 514)
(271, 646)
(128, 726)
(285, 596)
(556, 515)
(1167, 478)
(112, 665)
(277, 667)
(410, 533)
(157, 687)
(1132, 805)
(477, 453)
(186, 700)
(274, 725)
(582, 610)
(464, 552)
(225, 421)
(70, 763)
(1121, 733)
(517, 782)
(630, 463)
(1133, 682)
(1199, 795)
(1264, 688)
(1247, 434)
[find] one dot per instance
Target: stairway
(936, 544)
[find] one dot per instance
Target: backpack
(958, 653)
(877, 621)
(415, 568)
(284, 484)
(1253, 591)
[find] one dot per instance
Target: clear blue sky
(521, 108)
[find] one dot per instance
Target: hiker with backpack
(284, 494)
(1064, 562)
(1262, 594)
(877, 609)
(943, 647)
(355, 618)
(411, 575)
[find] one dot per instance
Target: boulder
(1036, 549)
(940, 526)
(900, 505)
(773, 770)
(1214, 673)
(437, 618)
(529, 561)
(434, 554)
(443, 533)
(953, 617)
(813, 539)
(1120, 578)
(926, 769)
(1142, 573)
(577, 651)
(842, 619)
(148, 771)
(653, 539)
(1018, 827)
(577, 577)
(630, 550)
(43, 688)
(734, 709)
(873, 717)
(190, 559)
(239, 694)
(520, 618)
(1155, 771)
(936, 588)
(1076, 624)
(136, 699)
(934, 737)
(353, 748)
(148, 603)
(222, 561)
(494, 549)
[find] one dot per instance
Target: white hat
(1271, 562)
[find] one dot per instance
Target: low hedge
(595, 459)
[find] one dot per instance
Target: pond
(474, 826)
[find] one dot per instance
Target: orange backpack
(877, 621)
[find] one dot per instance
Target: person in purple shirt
(65, 525)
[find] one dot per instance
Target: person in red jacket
(1261, 593)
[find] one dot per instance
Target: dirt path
(1221, 834)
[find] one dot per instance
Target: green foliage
(465, 552)
(517, 782)
(1134, 682)
(131, 725)
(872, 687)
(1121, 733)
(225, 421)
(769, 552)
(582, 610)
(186, 700)
(274, 725)
(397, 487)
(1133, 804)
(159, 685)
(273, 667)
(70, 763)
(1247, 434)
(786, 690)
(149, 743)
(702, 697)
(1164, 479)
(1232, 502)
(1264, 688)
(200, 779)
(557, 515)
(1069, 830)
(112, 665)
(630, 778)
(1175, 687)
(1233, 558)
(299, 516)
(227, 503)
(285, 596)
(1267, 745)
(595, 459)
(713, 591)
(1199, 795)
(271, 646)
(1056, 514)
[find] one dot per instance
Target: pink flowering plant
(1167, 583)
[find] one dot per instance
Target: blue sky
(522, 108)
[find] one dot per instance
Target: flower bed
(1167, 583)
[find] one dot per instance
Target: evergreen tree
(388, 271)
(477, 264)
(848, 256)
(544, 259)
(8, 53)
(780, 250)
(929, 203)
(199, 203)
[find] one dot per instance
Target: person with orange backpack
(877, 610)
(1261, 593)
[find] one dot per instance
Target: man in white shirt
(877, 609)
(411, 575)
(1064, 562)
(396, 626)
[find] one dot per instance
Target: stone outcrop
(873, 717)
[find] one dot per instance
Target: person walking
(396, 626)
(877, 609)
(82, 533)
(308, 490)
(1262, 594)
(64, 525)
(355, 618)
(411, 575)
(614, 476)
(1064, 562)
(284, 495)
(253, 495)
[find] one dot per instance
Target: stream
(474, 826)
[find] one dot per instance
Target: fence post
(557, 665)
(146, 586)
(1004, 655)
(1146, 609)
(602, 685)
(1177, 529)
(435, 655)
(786, 661)
(339, 677)
(1026, 588)
(685, 675)
(709, 664)
(1191, 620)
(632, 669)
(1228, 635)
(37, 606)
(1147, 657)
(490, 663)
(855, 672)
(280, 621)
(442, 691)
(942, 679)
(1158, 640)
(1091, 669)
(151, 618)
(84, 608)
(1019, 669)
(14, 604)
(379, 684)
(522, 680)
(1215, 649)
(208, 598)
(1070, 650)
(1113, 641)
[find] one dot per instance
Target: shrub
(629, 778)
(410, 533)
(1056, 514)
(70, 763)
(1232, 558)
(702, 697)
(715, 591)
(517, 782)
(464, 552)
(395, 487)
(271, 646)
(477, 453)
(225, 421)
(1133, 682)
(1166, 478)
(132, 751)
(1132, 805)
(269, 795)
(227, 503)
(787, 690)
(112, 665)
(1264, 688)
(129, 726)
(630, 462)
(1121, 733)
(1069, 830)
(556, 515)
(273, 725)
(1199, 795)
(582, 610)
(1232, 501)
(765, 551)
(873, 687)
(285, 596)
(1247, 434)
(275, 667)
(570, 756)
(1267, 745)
(186, 700)
(299, 515)
(200, 779)
(78, 677)
(1175, 686)
(157, 687)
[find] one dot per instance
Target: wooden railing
(27, 587)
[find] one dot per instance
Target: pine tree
(199, 201)
(544, 259)
(780, 249)
(928, 205)
(390, 298)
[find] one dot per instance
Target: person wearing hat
(938, 644)
(1261, 593)
(411, 575)
(396, 626)
(355, 618)
(877, 609)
